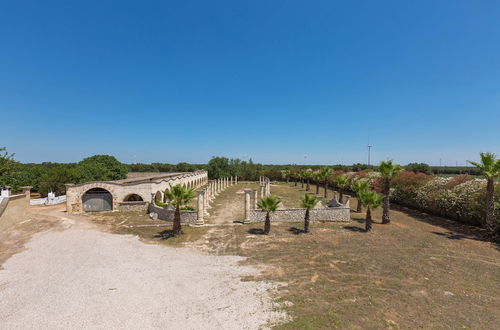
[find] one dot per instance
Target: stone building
(130, 193)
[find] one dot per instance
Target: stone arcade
(128, 194)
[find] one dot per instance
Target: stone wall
(189, 217)
(133, 206)
(296, 215)
(13, 209)
(121, 189)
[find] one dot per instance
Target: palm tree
(300, 176)
(318, 178)
(295, 176)
(286, 175)
(179, 196)
(325, 173)
(358, 187)
(308, 202)
(307, 175)
(342, 182)
(371, 200)
(268, 204)
(388, 171)
(490, 169)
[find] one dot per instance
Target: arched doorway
(158, 196)
(133, 198)
(97, 200)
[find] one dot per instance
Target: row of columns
(252, 196)
(209, 192)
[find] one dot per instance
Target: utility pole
(369, 152)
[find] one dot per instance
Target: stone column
(231, 182)
(200, 210)
(27, 194)
(262, 191)
(268, 188)
(205, 199)
(255, 198)
(247, 205)
(235, 180)
(5, 191)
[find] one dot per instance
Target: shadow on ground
(456, 230)
(354, 229)
(296, 231)
(256, 231)
(165, 234)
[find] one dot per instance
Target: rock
(153, 216)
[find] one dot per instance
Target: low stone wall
(13, 209)
(189, 217)
(296, 215)
(138, 206)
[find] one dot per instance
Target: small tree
(388, 171)
(359, 187)
(300, 176)
(295, 176)
(307, 174)
(268, 204)
(308, 202)
(325, 173)
(342, 182)
(371, 200)
(286, 175)
(179, 197)
(318, 179)
(490, 169)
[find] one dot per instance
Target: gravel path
(82, 278)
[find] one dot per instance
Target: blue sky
(277, 81)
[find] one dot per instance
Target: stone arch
(158, 196)
(133, 198)
(97, 200)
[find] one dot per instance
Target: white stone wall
(121, 190)
(189, 217)
(296, 215)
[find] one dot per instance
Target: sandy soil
(79, 277)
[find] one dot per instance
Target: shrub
(160, 204)
(187, 208)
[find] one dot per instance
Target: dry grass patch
(151, 231)
(418, 272)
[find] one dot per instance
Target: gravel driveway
(82, 278)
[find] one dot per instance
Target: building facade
(129, 193)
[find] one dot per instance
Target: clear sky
(277, 81)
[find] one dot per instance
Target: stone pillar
(153, 198)
(255, 198)
(200, 210)
(262, 191)
(235, 180)
(268, 187)
(27, 194)
(5, 191)
(212, 187)
(247, 205)
(205, 199)
(231, 182)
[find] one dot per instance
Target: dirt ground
(62, 271)
(420, 271)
